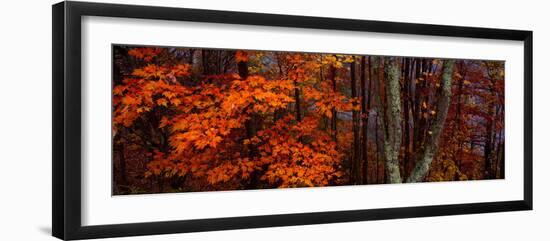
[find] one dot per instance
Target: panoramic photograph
(191, 119)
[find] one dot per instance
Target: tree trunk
(205, 69)
(392, 142)
(432, 142)
(297, 101)
(251, 127)
(501, 146)
(379, 125)
(406, 110)
(489, 141)
(417, 113)
(279, 113)
(191, 57)
(251, 123)
(243, 69)
(122, 163)
(458, 123)
(501, 160)
(378, 149)
(365, 122)
(355, 161)
(332, 73)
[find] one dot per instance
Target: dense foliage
(202, 119)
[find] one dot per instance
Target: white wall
(25, 123)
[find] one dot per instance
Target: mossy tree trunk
(392, 134)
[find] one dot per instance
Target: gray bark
(392, 141)
(423, 163)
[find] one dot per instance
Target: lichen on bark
(393, 114)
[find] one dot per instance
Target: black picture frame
(66, 198)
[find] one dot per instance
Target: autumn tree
(391, 120)
(195, 119)
(430, 148)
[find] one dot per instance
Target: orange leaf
(241, 56)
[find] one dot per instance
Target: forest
(199, 119)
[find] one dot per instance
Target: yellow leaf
(168, 94)
(162, 101)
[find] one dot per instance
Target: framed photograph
(169, 120)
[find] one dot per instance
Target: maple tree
(189, 119)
